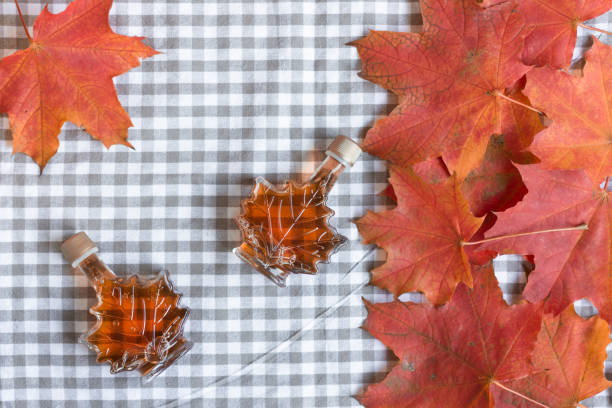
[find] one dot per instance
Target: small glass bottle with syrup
(285, 229)
(139, 321)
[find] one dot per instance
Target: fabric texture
(242, 89)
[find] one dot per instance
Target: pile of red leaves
(495, 147)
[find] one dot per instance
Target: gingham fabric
(242, 89)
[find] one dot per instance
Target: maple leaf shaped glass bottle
(139, 321)
(285, 229)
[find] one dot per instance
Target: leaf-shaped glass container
(139, 321)
(285, 229)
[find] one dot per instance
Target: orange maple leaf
(581, 111)
(66, 75)
(496, 184)
(552, 26)
(566, 223)
(452, 80)
(431, 171)
(423, 237)
(454, 355)
(569, 358)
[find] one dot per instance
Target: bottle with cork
(285, 229)
(139, 321)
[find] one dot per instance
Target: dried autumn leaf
(565, 222)
(569, 358)
(453, 356)
(451, 80)
(581, 111)
(139, 323)
(66, 75)
(431, 171)
(287, 228)
(496, 185)
(553, 26)
(519, 125)
(422, 236)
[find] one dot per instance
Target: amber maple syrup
(139, 321)
(285, 229)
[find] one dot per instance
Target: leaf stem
(501, 94)
(594, 29)
(519, 394)
(582, 227)
(25, 27)
(606, 183)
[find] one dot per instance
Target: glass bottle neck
(95, 270)
(327, 173)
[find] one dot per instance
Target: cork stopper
(345, 150)
(77, 248)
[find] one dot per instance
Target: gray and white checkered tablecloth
(242, 89)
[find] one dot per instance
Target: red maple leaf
(553, 25)
(565, 222)
(454, 355)
(496, 185)
(569, 360)
(66, 75)
(452, 81)
(431, 171)
(423, 237)
(581, 111)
